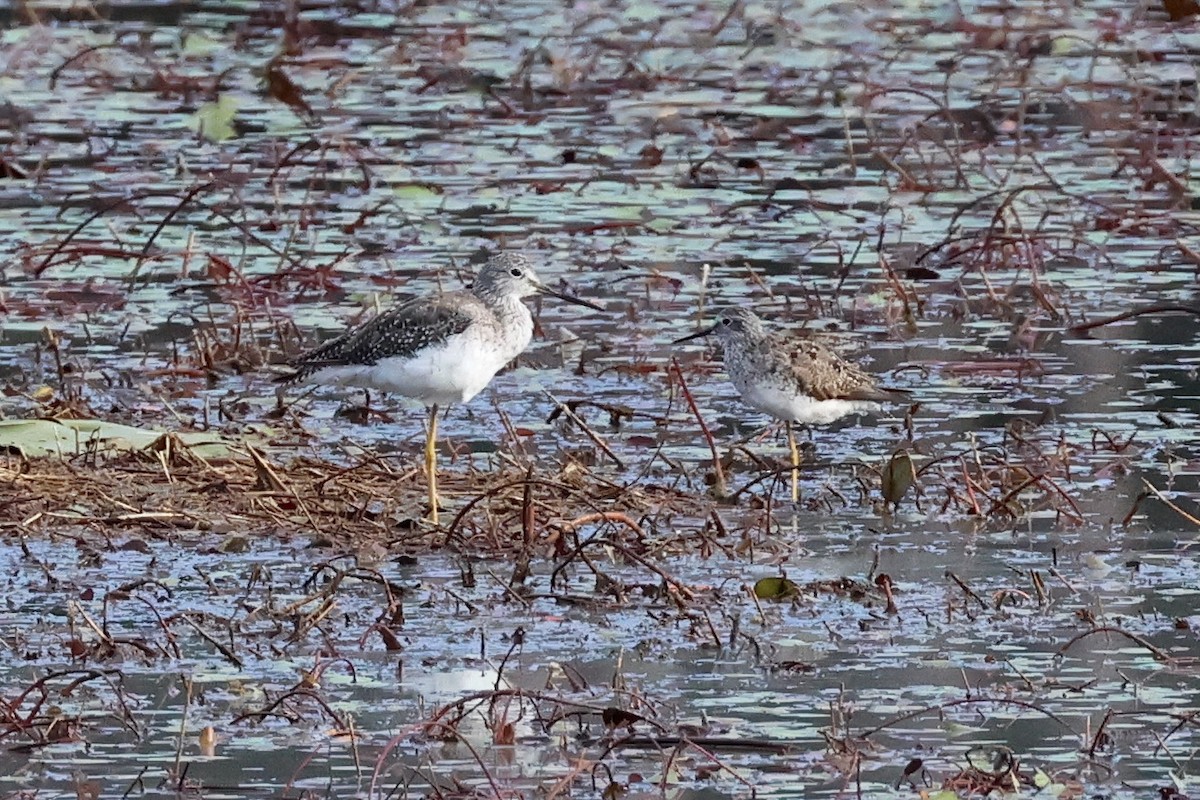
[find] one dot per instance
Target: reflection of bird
(439, 349)
(793, 379)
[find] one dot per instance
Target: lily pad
(898, 476)
(214, 121)
(35, 438)
(775, 588)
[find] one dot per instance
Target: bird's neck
(746, 356)
(504, 306)
(745, 347)
(515, 319)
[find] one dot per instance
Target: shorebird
(797, 380)
(439, 349)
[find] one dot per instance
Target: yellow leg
(791, 434)
(431, 464)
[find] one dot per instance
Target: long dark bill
(702, 332)
(566, 298)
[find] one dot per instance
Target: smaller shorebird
(439, 349)
(797, 380)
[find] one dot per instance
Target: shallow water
(784, 676)
(657, 157)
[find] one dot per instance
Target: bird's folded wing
(878, 394)
(827, 376)
(400, 332)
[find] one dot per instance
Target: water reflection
(648, 158)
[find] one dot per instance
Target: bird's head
(512, 275)
(733, 325)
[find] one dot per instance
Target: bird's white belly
(801, 408)
(454, 372)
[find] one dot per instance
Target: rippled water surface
(191, 193)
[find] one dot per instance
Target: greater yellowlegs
(440, 349)
(797, 380)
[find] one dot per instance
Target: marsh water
(193, 192)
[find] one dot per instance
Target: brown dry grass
(168, 491)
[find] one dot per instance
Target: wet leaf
(207, 741)
(652, 156)
(614, 717)
(994, 760)
(921, 274)
(614, 790)
(505, 735)
(390, 642)
(284, 89)
(1179, 10)
(898, 476)
(69, 437)
(197, 44)
(775, 588)
(234, 544)
(416, 190)
(59, 730)
(214, 121)
(220, 269)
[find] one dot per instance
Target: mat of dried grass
(168, 491)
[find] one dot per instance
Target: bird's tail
(880, 394)
(893, 395)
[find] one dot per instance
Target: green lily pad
(775, 588)
(36, 438)
(214, 121)
(898, 476)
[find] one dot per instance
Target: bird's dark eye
(516, 273)
(726, 321)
